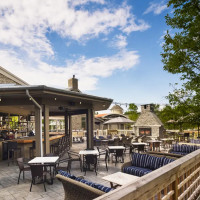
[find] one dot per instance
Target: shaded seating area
(142, 164)
(79, 188)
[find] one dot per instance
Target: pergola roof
(14, 100)
(120, 120)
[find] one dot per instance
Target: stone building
(148, 123)
(7, 77)
(116, 109)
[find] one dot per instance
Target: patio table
(46, 162)
(120, 178)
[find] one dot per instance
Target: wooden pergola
(48, 101)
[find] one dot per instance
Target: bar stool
(12, 151)
(31, 150)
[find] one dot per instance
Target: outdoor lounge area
(180, 177)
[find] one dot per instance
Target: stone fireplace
(148, 123)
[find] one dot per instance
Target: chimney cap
(73, 76)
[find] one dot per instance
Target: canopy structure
(47, 101)
(120, 120)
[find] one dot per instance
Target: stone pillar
(46, 130)
(38, 132)
(90, 126)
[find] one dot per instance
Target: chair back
(91, 159)
(12, 145)
(119, 152)
(141, 148)
(36, 171)
(20, 163)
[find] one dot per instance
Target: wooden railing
(175, 181)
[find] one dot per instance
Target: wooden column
(38, 132)
(70, 129)
(90, 126)
(66, 124)
(46, 130)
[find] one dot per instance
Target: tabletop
(43, 160)
(120, 178)
(139, 143)
(89, 152)
(116, 147)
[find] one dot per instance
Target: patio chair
(105, 159)
(74, 156)
(37, 172)
(119, 153)
(22, 168)
(63, 165)
(88, 161)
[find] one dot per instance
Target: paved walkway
(9, 189)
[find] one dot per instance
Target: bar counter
(25, 144)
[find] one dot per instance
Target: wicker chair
(22, 168)
(76, 190)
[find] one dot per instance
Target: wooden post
(175, 188)
(38, 132)
(90, 126)
(46, 130)
(70, 129)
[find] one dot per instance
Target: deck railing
(175, 181)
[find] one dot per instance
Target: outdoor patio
(9, 189)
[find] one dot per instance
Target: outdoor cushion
(166, 161)
(154, 162)
(94, 185)
(139, 160)
(137, 171)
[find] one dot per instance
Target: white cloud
(88, 71)
(156, 8)
(119, 42)
(24, 26)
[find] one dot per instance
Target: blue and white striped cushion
(166, 161)
(154, 162)
(139, 160)
(136, 171)
(94, 185)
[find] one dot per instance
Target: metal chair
(22, 168)
(37, 172)
(119, 153)
(74, 156)
(105, 159)
(88, 161)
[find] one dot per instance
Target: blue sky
(113, 47)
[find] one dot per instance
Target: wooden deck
(175, 181)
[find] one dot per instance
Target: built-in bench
(142, 164)
(183, 149)
(79, 188)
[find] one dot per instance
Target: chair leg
(23, 175)
(44, 186)
(19, 177)
(31, 185)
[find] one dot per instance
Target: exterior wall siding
(6, 80)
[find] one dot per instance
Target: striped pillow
(154, 162)
(139, 160)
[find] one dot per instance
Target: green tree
(182, 50)
(132, 112)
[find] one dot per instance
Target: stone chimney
(73, 84)
(147, 108)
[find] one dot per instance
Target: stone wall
(77, 122)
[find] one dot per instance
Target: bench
(142, 164)
(183, 149)
(79, 188)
